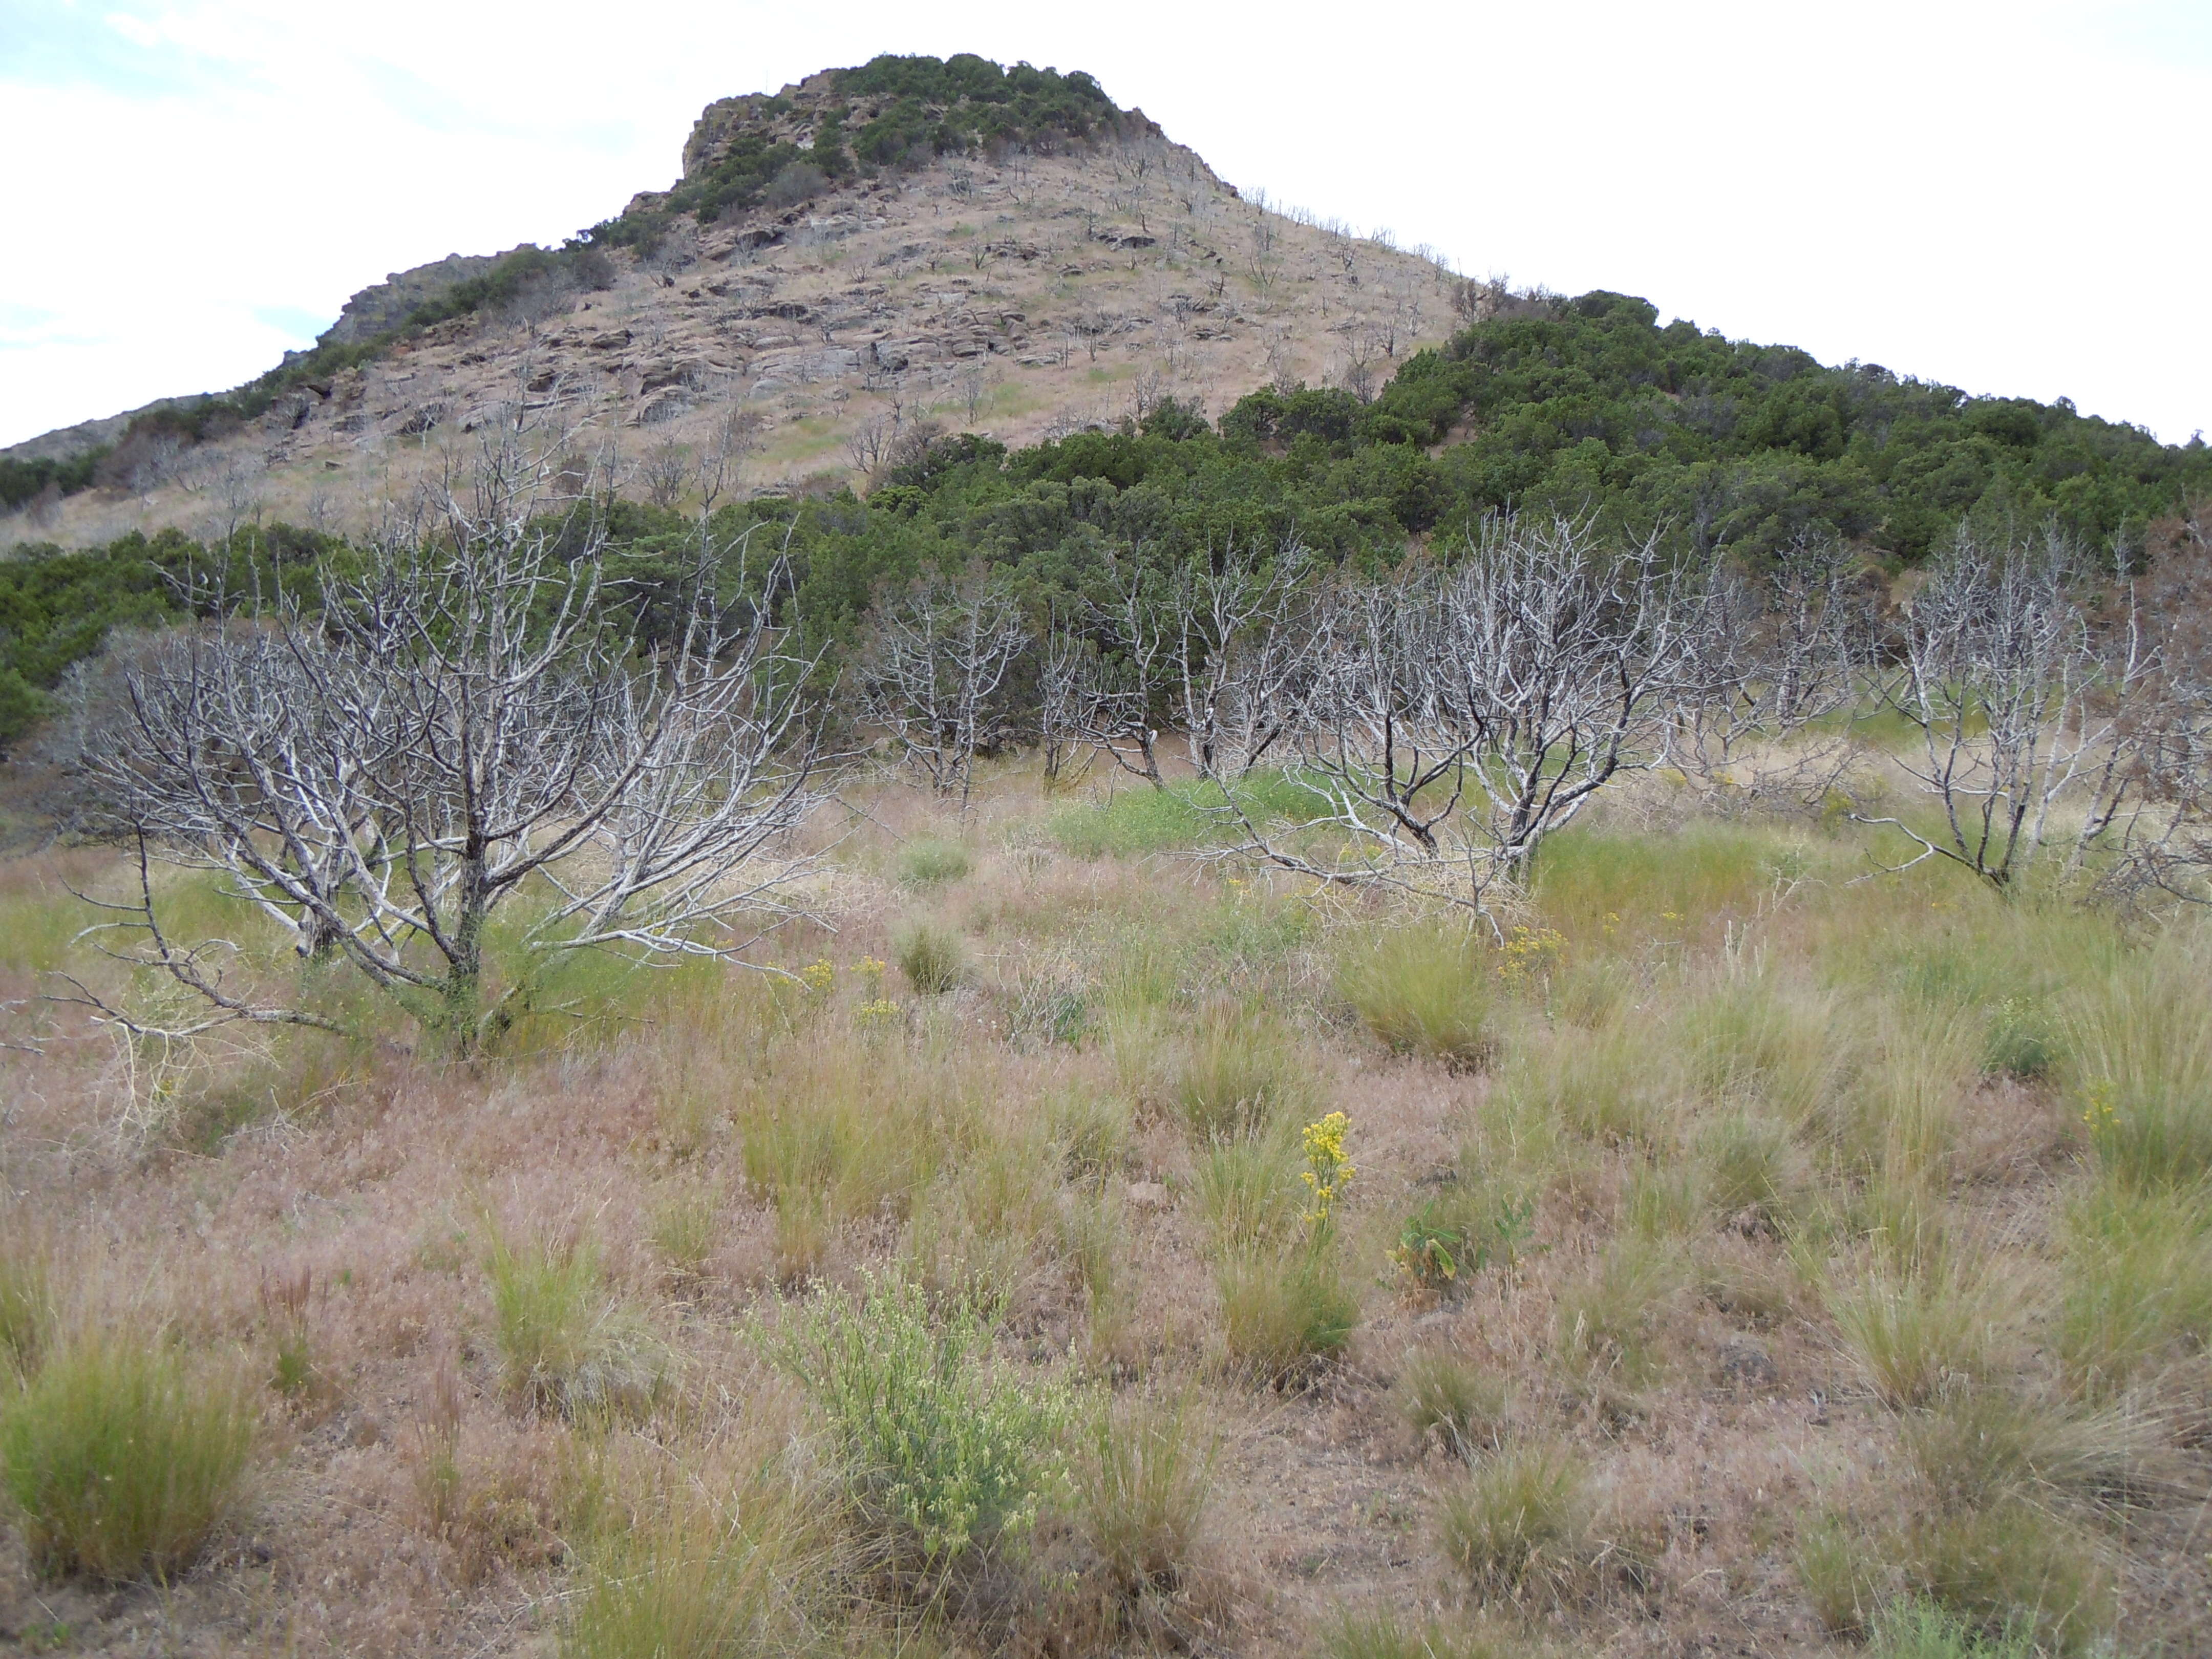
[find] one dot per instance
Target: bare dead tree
(460, 720)
(931, 670)
(2016, 712)
(734, 435)
(1112, 690)
(868, 445)
(1362, 347)
(1236, 648)
(1772, 655)
(1068, 679)
(664, 472)
(1457, 717)
(2164, 851)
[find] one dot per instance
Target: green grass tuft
(1517, 1526)
(566, 1343)
(121, 1461)
(929, 954)
(933, 861)
(1421, 991)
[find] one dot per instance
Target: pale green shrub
(942, 1452)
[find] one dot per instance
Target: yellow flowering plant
(1329, 1168)
(1531, 956)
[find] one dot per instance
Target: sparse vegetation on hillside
(1187, 1039)
(839, 1309)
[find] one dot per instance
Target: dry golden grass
(1792, 1296)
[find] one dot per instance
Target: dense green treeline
(25, 481)
(1564, 403)
(1581, 406)
(59, 607)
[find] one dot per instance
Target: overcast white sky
(2010, 196)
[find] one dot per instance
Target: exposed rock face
(1022, 297)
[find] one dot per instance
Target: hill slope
(842, 259)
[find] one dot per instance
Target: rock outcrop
(1021, 295)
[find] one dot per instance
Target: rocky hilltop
(835, 269)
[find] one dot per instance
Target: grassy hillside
(1741, 1253)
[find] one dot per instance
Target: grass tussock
(1234, 1073)
(1384, 1635)
(566, 1343)
(1444, 1400)
(738, 1562)
(1607, 1083)
(2137, 1297)
(121, 1459)
(1422, 991)
(1248, 1189)
(1517, 1527)
(1980, 1449)
(930, 955)
(1142, 1484)
(1917, 1628)
(1607, 1323)
(2013, 1570)
(2139, 1038)
(933, 861)
(1283, 1310)
(1913, 1334)
(27, 1311)
(834, 1127)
